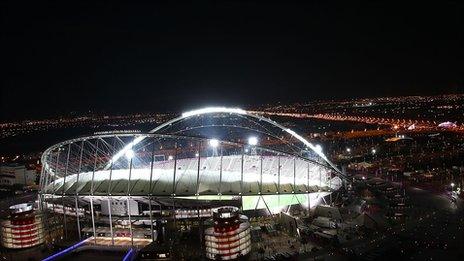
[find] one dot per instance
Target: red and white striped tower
(24, 229)
(229, 238)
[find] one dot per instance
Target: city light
(452, 184)
(253, 141)
(374, 151)
(348, 150)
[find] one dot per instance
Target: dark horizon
(126, 58)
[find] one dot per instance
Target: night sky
(65, 56)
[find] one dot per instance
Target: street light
(452, 184)
(374, 151)
(348, 150)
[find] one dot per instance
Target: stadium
(120, 188)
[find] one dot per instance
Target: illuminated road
(399, 124)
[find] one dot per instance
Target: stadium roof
(211, 151)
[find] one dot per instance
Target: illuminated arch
(237, 111)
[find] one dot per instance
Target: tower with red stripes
(23, 229)
(229, 238)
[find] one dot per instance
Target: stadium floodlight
(129, 154)
(318, 148)
(125, 149)
(213, 143)
(253, 141)
(213, 110)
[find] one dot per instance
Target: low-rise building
(11, 174)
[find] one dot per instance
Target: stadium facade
(117, 186)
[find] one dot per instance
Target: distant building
(11, 174)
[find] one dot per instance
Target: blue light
(65, 251)
(128, 256)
